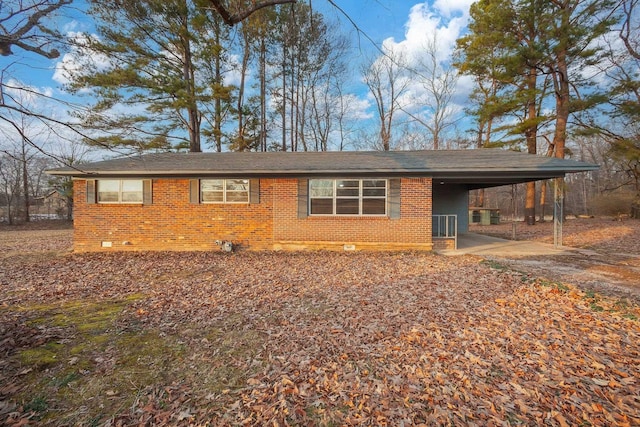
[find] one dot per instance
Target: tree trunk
(530, 204)
(635, 210)
(25, 184)
(543, 200)
(561, 83)
(217, 105)
(292, 111)
(284, 98)
(240, 144)
(189, 77)
(69, 203)
(263, 94)
(9, 212)
(531, 135)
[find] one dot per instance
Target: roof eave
(467, 175)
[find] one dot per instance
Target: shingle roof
(488, 166)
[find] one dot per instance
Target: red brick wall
(411, 231)
(171, 222)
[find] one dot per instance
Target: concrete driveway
(479, 244)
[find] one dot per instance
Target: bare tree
(10, 173)
(242, 10)
(385, 76)
(30, 25)
(24, 24)
(629, 32)
(17, 143)
(619, 125)
(325, 90)
(74, 154)
(439, 83)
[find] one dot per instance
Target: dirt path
(608, 274)
(609, 262)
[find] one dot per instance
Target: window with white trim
(224, 190)
(348, 197)
(120, 190)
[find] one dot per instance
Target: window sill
(120, 203)
(351, 217)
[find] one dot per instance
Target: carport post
(558, 211)
(513, 211)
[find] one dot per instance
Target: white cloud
(25, 94)
(356, 108)
(71, 27)
(439, 24)
(79, 58)
(451, 8)
(233, 75)
(444, 22)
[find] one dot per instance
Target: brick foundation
(444, 244)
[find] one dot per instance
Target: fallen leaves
(610, 265)
(350, 339)
(603, 234)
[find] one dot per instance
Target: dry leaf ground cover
(611, 264)
(605, 234)
(304, 339)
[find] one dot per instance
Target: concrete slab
(479, 244)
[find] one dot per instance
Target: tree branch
(33, 21)
(627, 30)
(233, 18)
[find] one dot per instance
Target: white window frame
(226, 191)
(121, 183)
(360, 197)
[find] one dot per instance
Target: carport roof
(476, 168)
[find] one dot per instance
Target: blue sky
(399, 24)
(378, 19)
(382, 19)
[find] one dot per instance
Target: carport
(451, 186)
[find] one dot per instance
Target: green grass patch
(69, 338)
(559, 286)
(589, 294)
(621, 306)
(494, 265)
(66, 379)
(85, 316)
(41, 357)
(38, 406)
(85, 369)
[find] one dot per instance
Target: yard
(307, 339)
(609, 261)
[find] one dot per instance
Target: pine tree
(518, 48)
(149, 92)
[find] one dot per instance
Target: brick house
(414, 200)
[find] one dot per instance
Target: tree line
(550, 71)
(173, 75)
